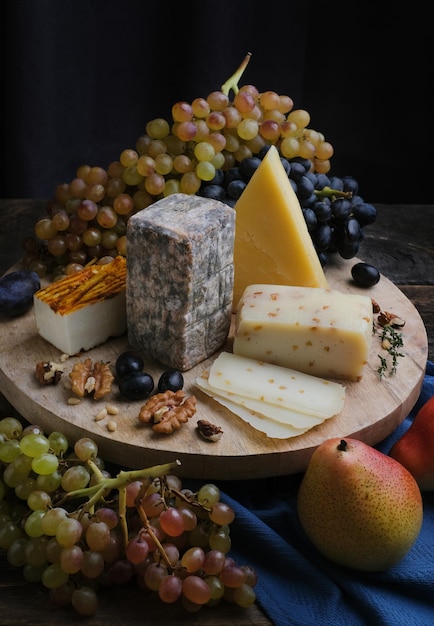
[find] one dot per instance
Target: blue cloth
(298, 587)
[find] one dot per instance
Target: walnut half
(167, 411)
(87, 379)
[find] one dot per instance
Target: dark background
(82, 78)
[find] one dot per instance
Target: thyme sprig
(391, 341)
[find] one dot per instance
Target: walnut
(167, 411)
(49, 373)
(87, 379)
(209, 431)
(385, 318)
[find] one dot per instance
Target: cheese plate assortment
(373, 406)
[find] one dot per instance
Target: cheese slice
(269, 427)
(272, 242)
(276, 385)
(322, 332)
(299, 422)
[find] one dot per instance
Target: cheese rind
(180, 279)
(272, 242)
(276, 385)
(318, 331)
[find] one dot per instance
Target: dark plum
(16, 292)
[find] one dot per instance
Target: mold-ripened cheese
(180, 279)
(318, 331)
(84, 309)
(276, 385)
(272, 242)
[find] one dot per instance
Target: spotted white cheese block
(180, 279)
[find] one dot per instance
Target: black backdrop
(82, 78)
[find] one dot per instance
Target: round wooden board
(373, 407)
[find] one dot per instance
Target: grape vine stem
(232, 82)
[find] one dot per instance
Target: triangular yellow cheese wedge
(272, 243)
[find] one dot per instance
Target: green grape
(9, 450)
(58, 442)
(25, 488)
(205, 170)
(38, 500)
(52, 519)
(68, 532)
(85, 600)
(35, 551)
(11, 427)
(34, 573)
(16, 553)
(13, 477)
(34, 444)
(9, 532)
(54, 576)
(75, 477)
(50, 482)
(32, 525)
(85, 448)
(208, 494)
(45, 463)
(204, 151)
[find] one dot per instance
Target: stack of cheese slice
(276, 400)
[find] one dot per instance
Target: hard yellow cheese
(272, 242)
(318, 331)
(278, 401)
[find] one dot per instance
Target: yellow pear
(359, 507)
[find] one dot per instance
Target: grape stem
(328, 192)
(232, 82)
(119, 482)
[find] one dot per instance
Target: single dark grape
(365, 275)
(352, 230)
(249, 166)
(129, 361)
(136, 385)
(350, 184)
(365, 213)
(297, 170)
(322, 237)
(341, 208)
(310, 219)
(215, 192)
(236, 188)
(172, 380)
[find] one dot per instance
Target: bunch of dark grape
(205, 139)
(335, 214)
(74, 528)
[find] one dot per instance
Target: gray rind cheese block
(180, 279)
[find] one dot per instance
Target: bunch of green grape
(74, 528)
(86, 220)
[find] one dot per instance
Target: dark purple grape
(249, 166)
(129, 361)
(215, 192)
(172, 380)
(236, 188)
(136, 385)
(365, 275)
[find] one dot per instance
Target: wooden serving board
(373, 407)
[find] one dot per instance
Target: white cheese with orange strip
(84, 309)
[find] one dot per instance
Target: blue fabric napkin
(299, 587)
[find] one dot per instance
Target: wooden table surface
(400, 244)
